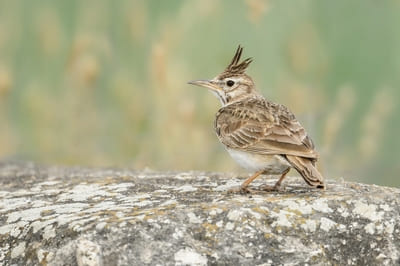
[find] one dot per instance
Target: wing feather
(262, 127)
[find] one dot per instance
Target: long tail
(307, 170)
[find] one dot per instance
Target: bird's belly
(272, 164)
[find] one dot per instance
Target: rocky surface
(81, 216)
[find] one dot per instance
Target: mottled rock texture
(81, 216)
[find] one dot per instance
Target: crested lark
(260, 135)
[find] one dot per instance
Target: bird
(261, 136)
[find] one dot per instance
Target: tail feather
(307, 170)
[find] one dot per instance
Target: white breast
(272, 164)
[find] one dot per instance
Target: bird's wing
(262, 127)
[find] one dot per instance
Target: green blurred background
(103, 83)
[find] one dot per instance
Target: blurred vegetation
(103, 83)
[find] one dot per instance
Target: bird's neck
(242, 97)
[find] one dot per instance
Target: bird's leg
(243, 186)
(277, 186)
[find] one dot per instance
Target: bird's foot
(271, 188)
(241, 190)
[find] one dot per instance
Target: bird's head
(233, 83)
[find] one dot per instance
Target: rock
(82, 216)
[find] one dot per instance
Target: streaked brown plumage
(260, 135)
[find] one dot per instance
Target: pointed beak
(209, 84)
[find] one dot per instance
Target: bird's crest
(235, 68)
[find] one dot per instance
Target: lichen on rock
(83, 216)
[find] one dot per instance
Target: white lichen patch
(23, 193)
(343, 212)
(252, 214)
(69, 207)
(100, 226)
(231, 183)
(140, 199)
(26, 215)
(184, 176)
(234, 215)
(48, 183)
(321, 205)
(40, 224)
(83, 193)
(169, 202)
(108, 205)
(118, 188)
(18, 250)
(146, 255)
(188, 256)
(203, 178)
(194, 219)
(342, 228)
(368, 211)
(370, 228)
(39, 203)
(7, 205)
(389, 227)
(160, 191)
(301, 206)
(178, 234)
(385, 207)
(185, 188)
(3, 250)
(88, 253)
(326, 224)
(144, 203)
(41, 255)
(229, 226)
(4, 195)
(215, 211)
(219, 223)
(309, 225)
(258, 199)
(294, 245)
(248, 255)
(15, 230)
(49, 232)
(281, 218)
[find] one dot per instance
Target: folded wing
(265, 128)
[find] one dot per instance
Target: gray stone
(82, 216)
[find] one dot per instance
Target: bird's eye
(230, 83)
